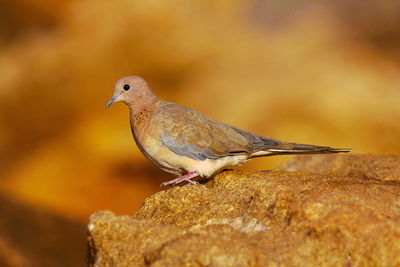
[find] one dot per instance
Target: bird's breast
(147, 138)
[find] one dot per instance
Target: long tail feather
(294, 148)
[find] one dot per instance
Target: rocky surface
(263, 219)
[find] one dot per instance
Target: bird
(190, 144)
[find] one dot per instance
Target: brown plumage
(186, 142)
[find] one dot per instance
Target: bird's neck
(142, 109)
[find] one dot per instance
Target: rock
(257, 219)
(362, 166)
(31, 236)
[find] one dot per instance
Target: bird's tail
(293, 148)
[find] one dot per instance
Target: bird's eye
(127, 87)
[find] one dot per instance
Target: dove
(190, 144)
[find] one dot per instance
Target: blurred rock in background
(323, 72)
(30, 236)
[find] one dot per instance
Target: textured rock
(257, 219)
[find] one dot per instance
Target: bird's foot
(180, 179)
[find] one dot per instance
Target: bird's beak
(112, 100)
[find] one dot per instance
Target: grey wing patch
(268, 142)
(257, 142)
(188, 150)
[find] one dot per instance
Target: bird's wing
(192, 134)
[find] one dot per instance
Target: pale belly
(168, 161)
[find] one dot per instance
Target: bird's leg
(187, 177)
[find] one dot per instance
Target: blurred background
(320, 72)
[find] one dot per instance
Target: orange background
(325, 73)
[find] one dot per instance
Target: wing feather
(192, 134)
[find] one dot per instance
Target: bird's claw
(181, 179)
(174, 183)
(187, 180)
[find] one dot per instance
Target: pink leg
(180, 179)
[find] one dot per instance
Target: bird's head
(130, 90)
